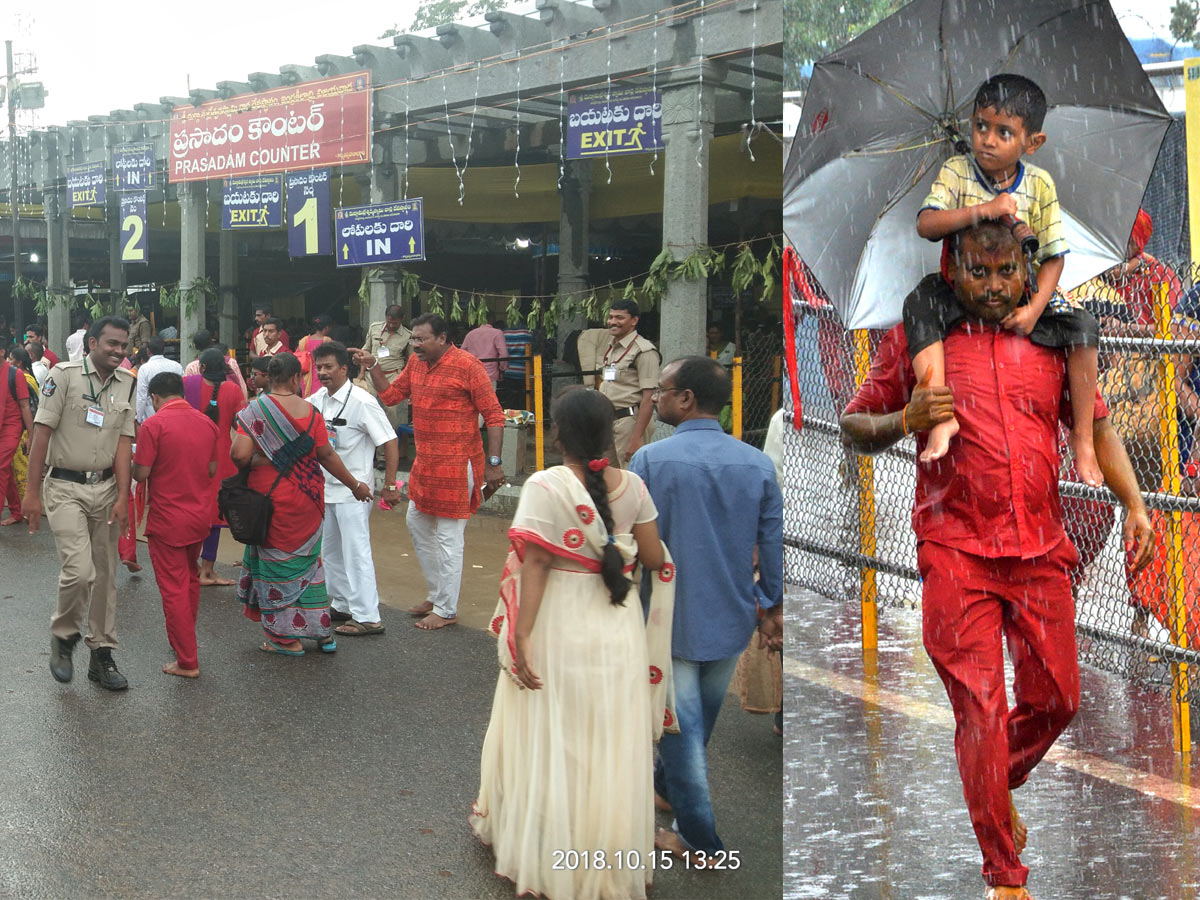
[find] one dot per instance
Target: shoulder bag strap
(307, 428)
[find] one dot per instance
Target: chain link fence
(847, 519)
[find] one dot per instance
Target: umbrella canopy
(878, 121)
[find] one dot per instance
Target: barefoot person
(990, 543)
(220, 399)
(176, 456)
(450, 390)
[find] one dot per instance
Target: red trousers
(127, 540)
(10, 439)
(968, 603)
(178, 577)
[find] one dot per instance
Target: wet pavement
(326, 776)
(873, 802)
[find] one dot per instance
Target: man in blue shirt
(717, 502)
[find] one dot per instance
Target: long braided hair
(212, 362)
(584, 420)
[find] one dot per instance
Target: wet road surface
(873, 803)
(325, 776)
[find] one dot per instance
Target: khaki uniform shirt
(636, 361)
(399, 344)
(71, 389)
(139, 333)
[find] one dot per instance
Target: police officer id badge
(95, 416)
(610, 373)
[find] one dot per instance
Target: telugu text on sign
(319, 123)
(133, 166)
(85, 183)
(613, 123)
(252, 201)
(308, 208)
(379, 233)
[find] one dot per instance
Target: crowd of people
(639, 572)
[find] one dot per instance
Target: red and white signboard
(318, 123)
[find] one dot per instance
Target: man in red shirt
(450, 391)
(37, 332)
(177, 457)
(487, 344)
(990, 543)
(16, 416)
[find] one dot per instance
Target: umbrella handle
(1029, 244)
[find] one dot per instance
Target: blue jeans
(681, 771)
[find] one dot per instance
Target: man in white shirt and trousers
(357, 425)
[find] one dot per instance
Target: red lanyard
(622, 356)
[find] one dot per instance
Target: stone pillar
(573, 239)
(227, 284)
(116, 269)
(384, 285)
(193, 212)
(58, 271)
(687, 129)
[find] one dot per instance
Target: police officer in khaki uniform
(83, 432)
(629, 369)
(391, 344)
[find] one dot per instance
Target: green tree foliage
(1185, 15)
(815, 28)
(439, 12)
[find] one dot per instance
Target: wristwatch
(494, 461)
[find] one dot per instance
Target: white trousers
(439, 545)
(349, 566)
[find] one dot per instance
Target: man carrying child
(990, 543)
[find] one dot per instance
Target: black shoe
(103, 669)
(61, 649)
(339, 616)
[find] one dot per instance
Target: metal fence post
(528, 383)
(539, 413)
(866, 511)
(736, 411)
(1178, 615)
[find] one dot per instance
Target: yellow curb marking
(1088, 764)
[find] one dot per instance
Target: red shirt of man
(177, 457)
(991, 549)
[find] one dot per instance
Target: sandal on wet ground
(328, 645)
(355, 628)
(272, 647)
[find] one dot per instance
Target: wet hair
(499, 323)
(990, 234)
(36, 328)
(83, 320)
(20, 356)
(262, 308)
(202, 339)
(260, 363)
(117, 322)
(212, 364)
(334, 349)
(436, 323)
(167, 384)
(1014, 95)
(321, 322)
(36, 350)
(156, 345)
(141, 356)
(708, 381)
(584, 421)
(283, 367)
(629, 306)
(394, 311)
(273, 321)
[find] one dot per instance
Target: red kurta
(447, 400)
(996, 492)
(178, 444)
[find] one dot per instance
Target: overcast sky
(101, 55)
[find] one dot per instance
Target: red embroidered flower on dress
(586, 513)
(258, 427)
(666, 574)
(573, 539)
(655, 674)
(496, 623)
(668, 719)
(298, 620)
